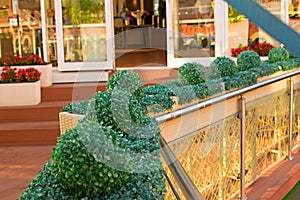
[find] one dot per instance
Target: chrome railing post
(291, 94)
(242, 146)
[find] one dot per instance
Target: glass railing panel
(296, 116)
(210, 156)
(170, 193)
(267, 133)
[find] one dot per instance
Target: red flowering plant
(16, 59)
(14, 75)
(236, 51)
(262, 49)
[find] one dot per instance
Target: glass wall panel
(20, 27)
(84, 30)
(194, 29)
(242, 32)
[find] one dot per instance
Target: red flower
(10, 75)
(262, 48)
(16, 59)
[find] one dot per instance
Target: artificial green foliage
(209, 88)
(239, 80)
(191, 73)
(159, 89)
(289, 64)
(81, 161)
(117, 109)
(265, 69)
(45, 186)
(158, 98)
(278, 54)
(96, 162)
(76, 107)
(172, 84)
(185, 94)
(126, 81)
(141, 186)
(247, 60)
(223, 66)
(158, 102)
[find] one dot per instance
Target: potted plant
(31, 61)
(112, 153)
(262, 49)
(20, 87)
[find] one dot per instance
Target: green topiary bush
(79, 161)
(96, 162)
(247, 60)
(239, 80)
(209, 88)
(112, 153)
(126, 81)
(265, 69)
(192, 73)
(45, 186)
(76, 107)
(117, 109)
(223, 66)
(289, 64)
(278, 54)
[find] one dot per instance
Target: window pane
(242, 32)
(24, 37)
(84, 31)
(194, 30)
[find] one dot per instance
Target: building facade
(93, 37)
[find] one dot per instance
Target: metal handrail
(214, 100)
(184, 182)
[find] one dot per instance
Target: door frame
(85, 66)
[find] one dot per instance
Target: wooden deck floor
(277, 182)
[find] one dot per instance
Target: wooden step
(39, 125)
(45, 111)
(29, 133)
(72, 91)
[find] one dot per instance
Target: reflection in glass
(194, 29)
(242, 32)
(84, 30)
(22, 36)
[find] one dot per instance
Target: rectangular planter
(68, 121)
(46, 70)
(20, 94)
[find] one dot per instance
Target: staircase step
(29, 133)
(39, 125)
(45, 111)
(72, 91)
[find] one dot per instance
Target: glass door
(191, 32)
(84, 28)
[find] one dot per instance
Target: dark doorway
(140, 34)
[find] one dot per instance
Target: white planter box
(20, 94)
(238, 34)
(46, 77)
